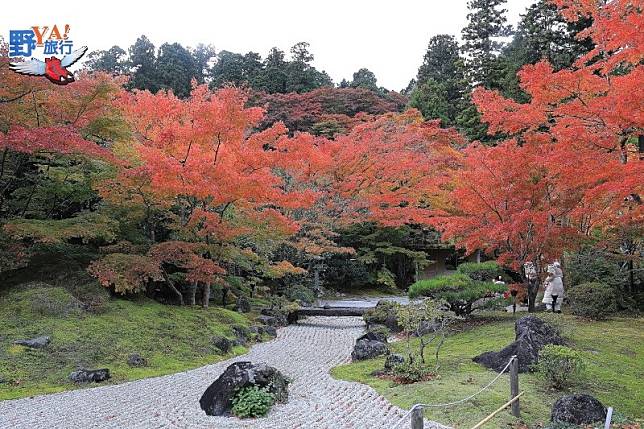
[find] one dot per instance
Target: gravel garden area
(305, 352)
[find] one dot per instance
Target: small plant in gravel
(559, 365)
(252, 401)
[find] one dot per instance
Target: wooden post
(417, 418)
(514, 385)
(609, 417)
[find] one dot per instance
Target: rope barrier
(460, 401)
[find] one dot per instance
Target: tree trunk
(172, 287)
(205, 295)
(193, 293)
(533, 289)
(224, 294)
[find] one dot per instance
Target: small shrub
(559, 365)
(484, 271)
(252, 401)
(411, 372)
(458, 290)
(300, 293)
(592, 300)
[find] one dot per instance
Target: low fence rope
(460, 401)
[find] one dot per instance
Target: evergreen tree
(113, 61)
(143, 62)
(487, 24)
(440, 87)
(175, 69)
(203, 55)
(364, 78)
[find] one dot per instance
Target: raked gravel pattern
(305, 352)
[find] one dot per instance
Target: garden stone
(88, 375)
(578, 410)
(35, 343)
(136, 359)
(532, 334)
(367, 349)
(242, 305)
(217, 399)
(271, 321)
(241, 335)
(280, 317)
(269, 330)
(373, 336)
(393, 360)
(222, 343)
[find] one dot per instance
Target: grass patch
(613, 351)
(172, 338)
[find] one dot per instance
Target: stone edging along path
(305, 352)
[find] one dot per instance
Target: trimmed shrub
(592, 300)
(459, 291)
(384, 313)
(252, 401)
(484, 271)
(559, 365)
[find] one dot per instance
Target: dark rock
(242, 334)
(271, 321)
(393, 360)
(136, 359)
(222, 343)
(532, 334)
(269, 330)
(242, 305)
(374, 336)
(280, 318)
(35, 343)
(89, 375)
(367, 349)
(217, 399)
(292, 317)
(578, 410)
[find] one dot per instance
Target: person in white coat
(554, 292)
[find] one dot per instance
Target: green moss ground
(613, 351)
(172, 338)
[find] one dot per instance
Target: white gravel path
(305, 352)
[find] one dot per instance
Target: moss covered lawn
(172, 338)
(613, 352)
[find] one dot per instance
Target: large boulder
(217, 399)
(35, 343)
(532, 334)
(90, 375)
(367, 349)
(374, 336)
(578, 410)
